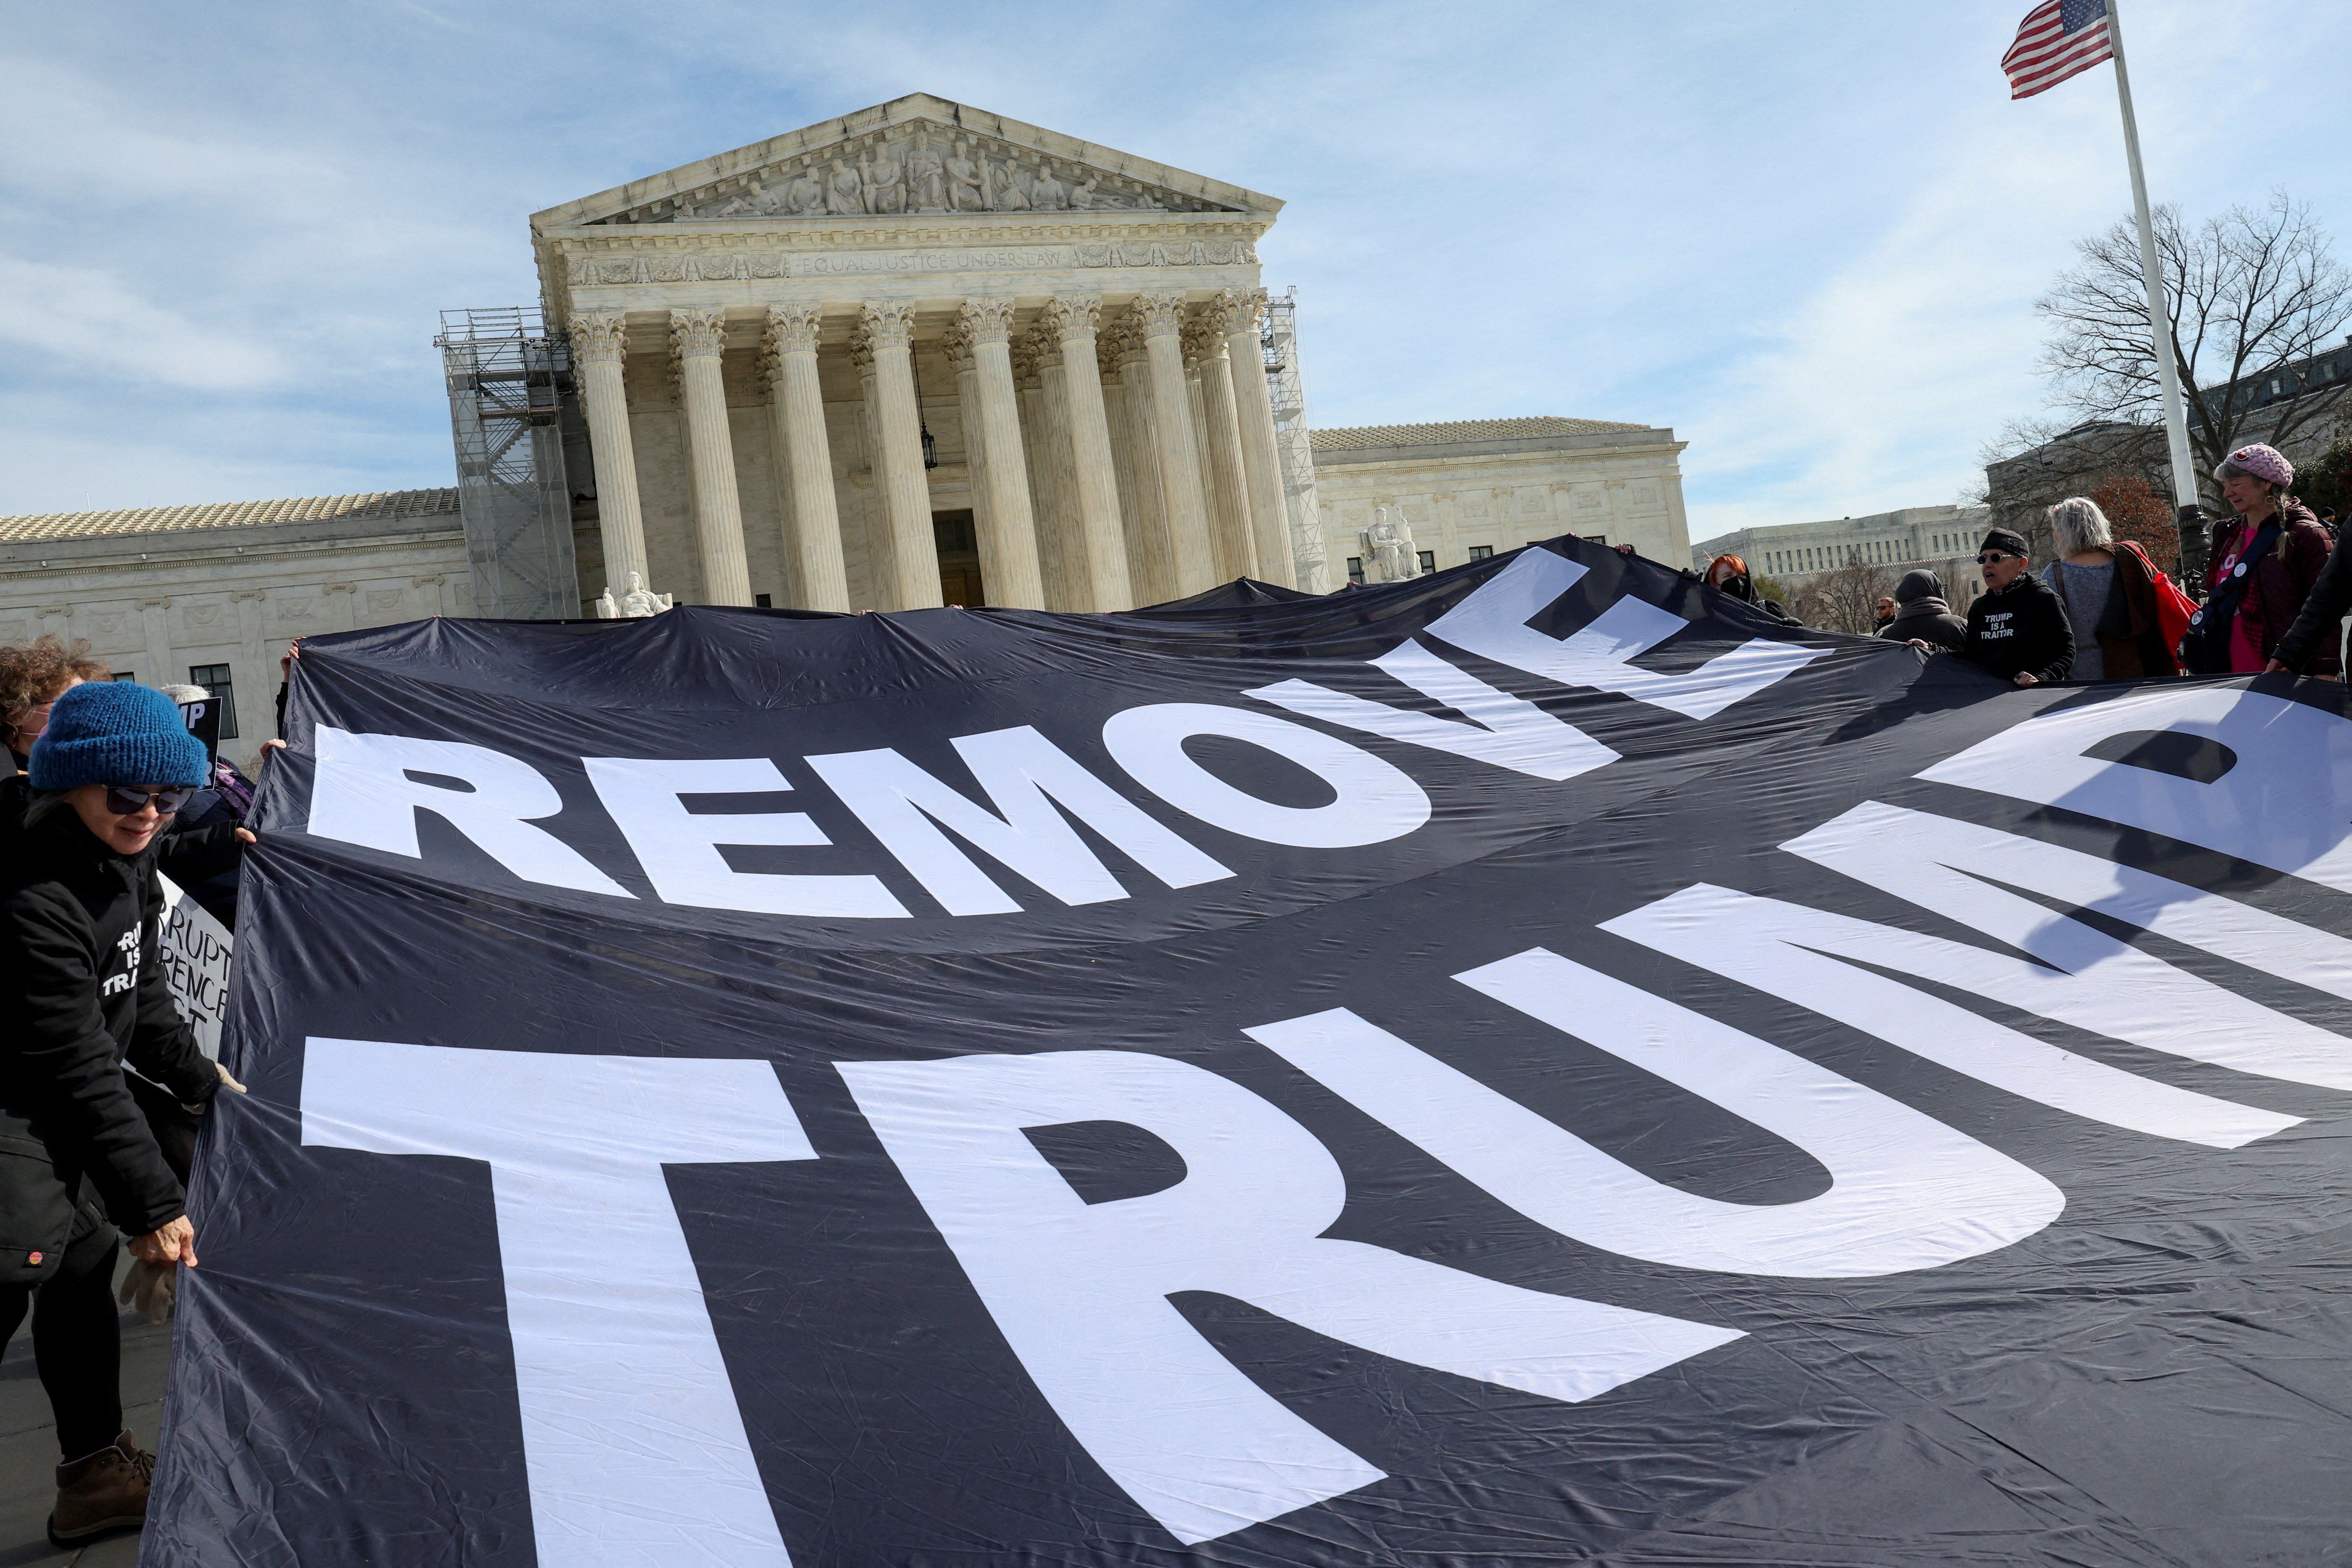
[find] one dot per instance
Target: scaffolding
(510, 398)
(1286, 386)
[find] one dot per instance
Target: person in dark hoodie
(2017, 627)
(1729, 573)
(1921, 615)
(80, 913)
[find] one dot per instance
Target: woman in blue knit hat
(80, 909)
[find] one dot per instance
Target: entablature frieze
(619, 266)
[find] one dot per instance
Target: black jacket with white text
(2021, 627)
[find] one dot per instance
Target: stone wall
(1495, 485)
(178, 595)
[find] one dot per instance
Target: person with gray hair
(2109, 593)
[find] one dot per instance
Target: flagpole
(2159, 324)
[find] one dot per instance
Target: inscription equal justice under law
(739, 264)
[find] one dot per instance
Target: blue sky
(1806, 236)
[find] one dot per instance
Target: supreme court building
(920, 354)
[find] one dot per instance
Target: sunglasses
(124, 801)
(1989, 556)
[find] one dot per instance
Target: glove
(147, 1288)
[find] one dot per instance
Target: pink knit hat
(2261, 462)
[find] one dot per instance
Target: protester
(2266, 562)
(1922, 616)
(2109, 595)
(2318, 630)
(1881, 613)
(1730, 573)
(34, 675)
(81, 965)
(2017, 628)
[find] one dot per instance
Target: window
(1481, 552)
(124, 674)
(764, 600)
(1356, 570)
(1428, 558)
(1596, 539)
(215, 678)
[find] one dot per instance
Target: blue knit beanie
(113, 733)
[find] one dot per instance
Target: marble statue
(1083, 199)
(1047, 193)
(965, 192)
(634, 604)
(926, 179)
(804, 192)
(1388, 547)
(1012, 189)
(886, 183)
(845, 192)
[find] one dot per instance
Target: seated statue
(1388, 547)
(634, 604)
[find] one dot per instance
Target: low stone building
(1941, 539)
(212, 594)
(1471, 489)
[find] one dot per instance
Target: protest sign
(203, 718)
(1540, 1062)
(195, 950)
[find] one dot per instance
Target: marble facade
(1481, 486)
(805, 363)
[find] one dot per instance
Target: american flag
(2058, 38)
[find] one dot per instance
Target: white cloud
(98, 327)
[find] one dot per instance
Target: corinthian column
(1151, 564)
(698, 337)
(1008, 541)
(1229, 511)
(599, 342)
(1254, 415)
(1161, 318)
(813, 538)
(1094, 488)
(884, 335)
(1045, 419)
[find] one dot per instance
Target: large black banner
(1534, 1064)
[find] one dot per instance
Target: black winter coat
(1930, 620)
(80, 965)
(2021, 627)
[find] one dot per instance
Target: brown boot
(104, 1491)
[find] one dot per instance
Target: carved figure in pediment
(966, 193)
(804, 192)
(1047, 193)
(885, 182)
(1388, 547)
(926, 179)
(845, 191)
(1011, 189)
(1083, 197)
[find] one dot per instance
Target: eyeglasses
(1989, 556)
(126, 800)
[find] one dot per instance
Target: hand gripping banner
(1534, 1064)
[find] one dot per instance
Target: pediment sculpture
(1388, 548)
(634, 604)
(917, 169)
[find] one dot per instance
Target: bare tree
(2251, 293)
(1844, 599)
